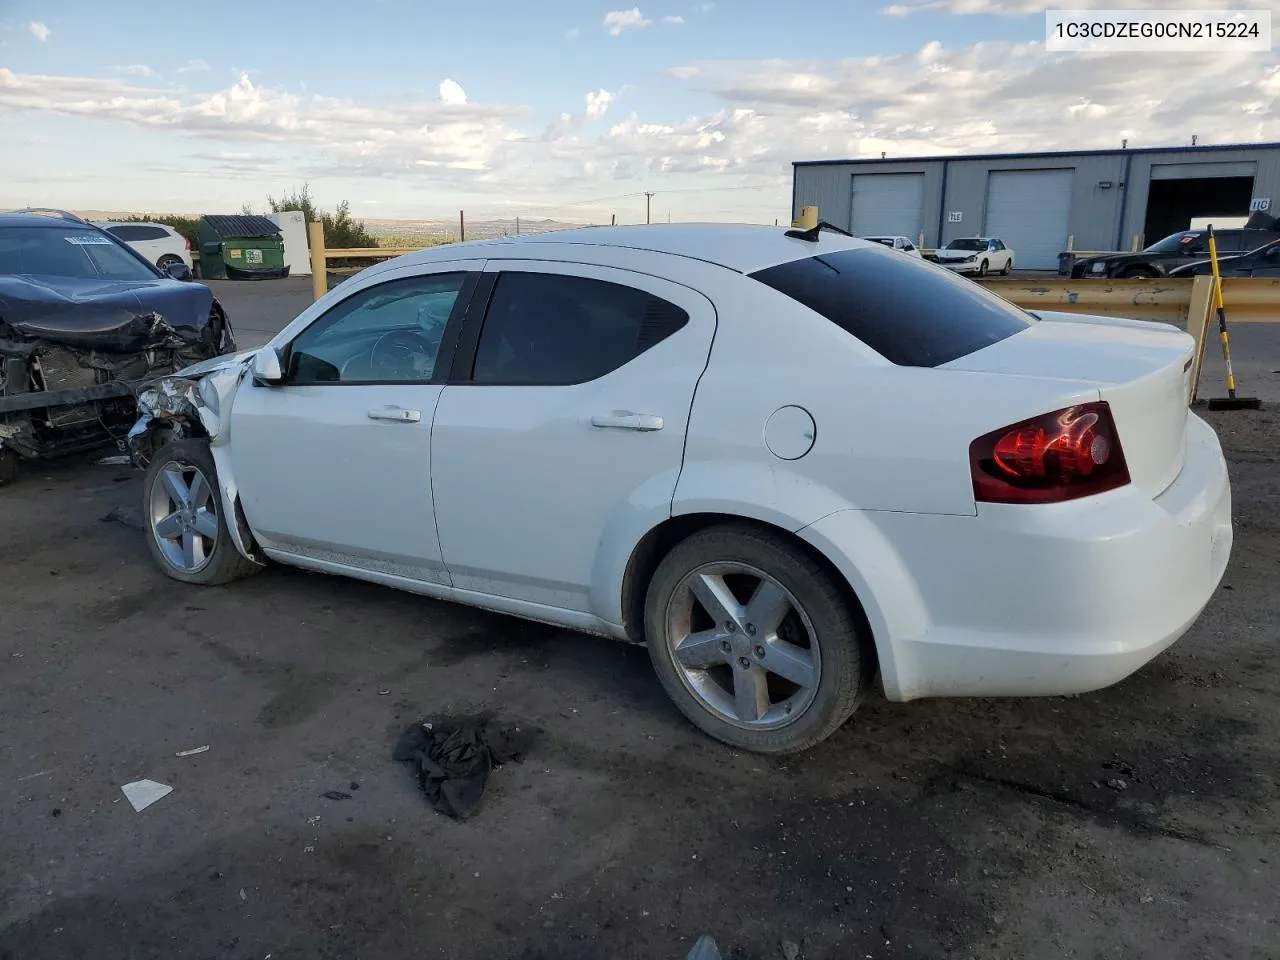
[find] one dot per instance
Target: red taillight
(1059, 456)
(187, 242)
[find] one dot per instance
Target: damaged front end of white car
(195, 403)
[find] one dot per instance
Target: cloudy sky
(567, 108)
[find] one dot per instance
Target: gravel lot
(1140, 821)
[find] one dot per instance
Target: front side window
(549, 329)
(389, 333)
(909, 311)
(58, 251)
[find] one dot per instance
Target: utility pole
(613, 219)
(517, 226)
(462, 225)
(648, 195)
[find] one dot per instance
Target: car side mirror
(179, 271)
(266, 367)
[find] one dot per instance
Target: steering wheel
(404, 354)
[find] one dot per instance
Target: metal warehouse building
(1102, 199)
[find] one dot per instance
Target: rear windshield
(911, 312)
(67, 252)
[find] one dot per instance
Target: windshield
(911, 312)
(67, 252)
(971, 244)
(1175, 242)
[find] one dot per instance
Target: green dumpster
(240, 248)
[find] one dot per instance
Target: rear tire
(1138, 273)
(776, 610)
(1008, 267)
(184, 519)
(168, 260)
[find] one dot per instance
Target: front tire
(754, 641)
(184, 519)
(982, 269)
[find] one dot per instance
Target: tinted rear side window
(549, 329)
(911, 312)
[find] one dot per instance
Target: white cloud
(451, 92)
(194, 66)
(618, 20)
(990, 97)
(39, 30)
(705, 7)
(572, 33)
(674, 20)
(136, 70)
(598, 102)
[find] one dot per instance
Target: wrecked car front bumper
(73, 388)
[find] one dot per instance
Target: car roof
(741, 247)
(40, 220)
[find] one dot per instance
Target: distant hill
(392, 232)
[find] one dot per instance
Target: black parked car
(85, 321)
(1263, 262)
(1175, 250)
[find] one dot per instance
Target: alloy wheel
(184, 516)
(743, 645)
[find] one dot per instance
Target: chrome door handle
(398, 414)
(625, 420)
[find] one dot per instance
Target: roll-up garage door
(887, 203)
(1029, 210)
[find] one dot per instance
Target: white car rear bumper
(1044, 600)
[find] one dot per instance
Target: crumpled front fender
(196, 402)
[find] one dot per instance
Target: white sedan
(976, 255)
(901, 244)
(789, 462)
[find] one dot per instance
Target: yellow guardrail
(1187, 303)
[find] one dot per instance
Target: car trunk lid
(1142, 370)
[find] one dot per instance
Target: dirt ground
(1137, 822)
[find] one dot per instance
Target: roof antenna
(812, 233)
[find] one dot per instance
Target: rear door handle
(398, 414)
(625, 420)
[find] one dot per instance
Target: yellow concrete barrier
(1164, 300)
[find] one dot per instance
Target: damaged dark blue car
(85, 323)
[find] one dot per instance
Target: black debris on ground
(455, 755)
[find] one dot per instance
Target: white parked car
(158, 242)
(786, 461)
(901, 244)
(976, 255)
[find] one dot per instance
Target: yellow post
(808, 218)
(1137, 242)
(319, 268)
(1071, 244)
(1203, 301)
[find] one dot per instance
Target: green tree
(341, 230)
